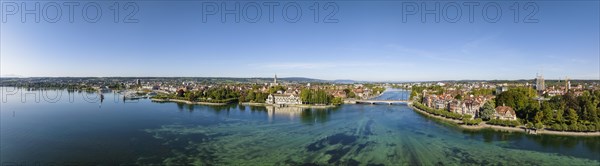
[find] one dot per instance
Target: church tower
(539, 83)
(275, 81)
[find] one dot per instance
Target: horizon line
(353, 80)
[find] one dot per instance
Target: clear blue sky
(370, 41)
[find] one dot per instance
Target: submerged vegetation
(351, 137)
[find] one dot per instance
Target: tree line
(567, 112)
(311, 96)
(254, 97)
(214, 95)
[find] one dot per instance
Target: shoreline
(484, 125)
(292, 105)
(244, 103)
(188, 102)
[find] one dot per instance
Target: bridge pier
(373, 102)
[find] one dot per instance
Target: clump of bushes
(579, 127)
(509, 123)
(472, 121)
(537, 126)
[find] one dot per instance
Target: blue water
(82, 130)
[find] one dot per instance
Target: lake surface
(76, 128)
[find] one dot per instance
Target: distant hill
(344, 81)
(307, 80)
(301, 79)
(10, 76)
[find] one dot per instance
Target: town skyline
(310, 79)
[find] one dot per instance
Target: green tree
(548, 113)
(242, 98)
(560, 116)
(251, 96)
(337, 101)
(590, 110)
(190, 96)
(518, 98)
(261, 97)
(486, 112)
(351, 94)
(593, 113)
(305, 95)
(539, 126)
(309, 96)
(539, 116)
(521, 99)
(573, 117)
(557, 126)
(564, 126)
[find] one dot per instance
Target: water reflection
(273, 113)
(258, 109)
(291, 113)
(306, 115)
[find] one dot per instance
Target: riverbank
(245, 103)
(454, 121)
(187, 102)
(292, 105)
(484, 125)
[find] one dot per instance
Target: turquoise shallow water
(143, 132)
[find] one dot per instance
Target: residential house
(505, 113)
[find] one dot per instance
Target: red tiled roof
(504, 110)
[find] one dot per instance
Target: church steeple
(275, 81)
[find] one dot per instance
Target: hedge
(510, 123)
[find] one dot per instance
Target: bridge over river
(390, 96)
(390, 102)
